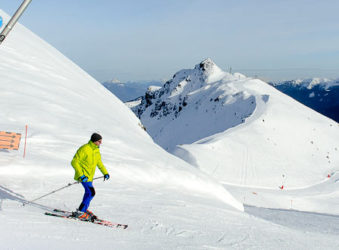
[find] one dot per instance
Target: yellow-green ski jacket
(85, 161)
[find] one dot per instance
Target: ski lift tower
(14, 19)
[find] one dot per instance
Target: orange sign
(9, 140)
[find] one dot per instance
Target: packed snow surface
(167, 203)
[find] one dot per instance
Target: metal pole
(68, 185)
(13, 20)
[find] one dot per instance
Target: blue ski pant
(88, 196)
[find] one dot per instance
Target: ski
(68, 215)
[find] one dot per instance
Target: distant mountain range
(129, 90)
(188, 100)
(320, 94)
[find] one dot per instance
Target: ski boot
(81, 215)
(93, 217)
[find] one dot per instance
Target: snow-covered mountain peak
(195, 95)
(213, 120)
(208, 67)
(205, 72)
(209, 71)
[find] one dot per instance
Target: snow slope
(167, 203)
(239, 130)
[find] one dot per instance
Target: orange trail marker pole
(25, 142)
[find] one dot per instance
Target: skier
(84, 162)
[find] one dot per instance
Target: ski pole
(68, 185)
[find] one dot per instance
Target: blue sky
(152, 39)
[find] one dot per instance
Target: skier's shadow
(7, 194)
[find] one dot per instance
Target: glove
(83, 178)
(106, 177)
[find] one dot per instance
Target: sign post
(25, 141)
